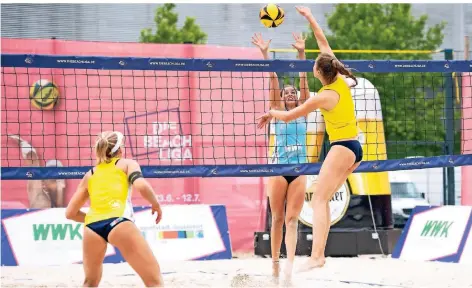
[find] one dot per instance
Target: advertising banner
(436, 234)
(46, 237)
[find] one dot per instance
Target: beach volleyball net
(196, 117)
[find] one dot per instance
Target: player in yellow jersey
(110, 217)
(335, 101)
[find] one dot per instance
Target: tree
(383, 27)
(412, 103)
(167, 31)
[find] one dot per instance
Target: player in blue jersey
(336, 104)
(290, 142)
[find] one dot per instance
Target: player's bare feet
(275, 268)
(288, 268)
(312, 263)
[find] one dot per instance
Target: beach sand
(251, 271)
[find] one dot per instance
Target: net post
(466, 48)
(449, 123)
(448, 54)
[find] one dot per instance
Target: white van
(405, 196)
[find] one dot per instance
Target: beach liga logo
(338, 204)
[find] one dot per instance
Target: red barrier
(94, 100)
(466, 189)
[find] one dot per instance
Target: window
(404, 190)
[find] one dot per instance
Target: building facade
(226, 24)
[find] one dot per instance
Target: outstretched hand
(259, 42)
(264, 120)
(304, 11)
(28, 151)
(157, 209)
(299, 42)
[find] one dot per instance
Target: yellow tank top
(109, 193)
(340, 121)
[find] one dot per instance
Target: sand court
(255, 272)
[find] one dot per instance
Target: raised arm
(324, 45)
(274, 88)
(300, 46)
(319, 35)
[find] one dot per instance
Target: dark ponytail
(329, 67)
(339, 67)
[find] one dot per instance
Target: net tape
(182, 64)
(212, 65)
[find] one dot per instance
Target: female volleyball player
(289, 149)
(335, 101)
(108, 186)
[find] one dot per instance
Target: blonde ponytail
(104, 145)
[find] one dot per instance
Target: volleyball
(271, 15)
(44, 94)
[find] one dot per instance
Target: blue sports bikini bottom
(352, 145)
(104, 227)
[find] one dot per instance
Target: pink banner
(168, 117)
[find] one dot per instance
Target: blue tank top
(290, 142)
